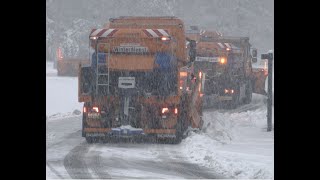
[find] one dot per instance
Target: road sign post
(269, 56)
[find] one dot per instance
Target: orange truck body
(131, 45)
(70, 66)
(67, 66)
(258, 74)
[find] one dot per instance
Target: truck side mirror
(192, 52)
(254, 55)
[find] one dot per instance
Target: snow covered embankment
(61, 95)
(236, 145)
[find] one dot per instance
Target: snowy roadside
(62, 134)
(50, 71)
(236, 145)
(61, 95)
(59, 116)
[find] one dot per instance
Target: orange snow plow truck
(227, 63)
(68, 66)
(140, 82)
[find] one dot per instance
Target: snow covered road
(69, 156)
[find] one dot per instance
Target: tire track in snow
(175, 162)
(69, 140)
(54, 170)
(96, 165)
(81, 163)
(75, 164)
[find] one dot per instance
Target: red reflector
(84, 109)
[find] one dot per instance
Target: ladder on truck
(101, 74)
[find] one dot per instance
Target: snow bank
(61, 95)
(50, 71)
(233, 144)
(58, 116)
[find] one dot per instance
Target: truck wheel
(235, 101)
(201, 124)
(178, 138)
(248, 98)
(182, 124)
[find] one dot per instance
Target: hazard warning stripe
(221, 46)
(95, 32)
(164, 32)
(156, 32)
(152, 32)
(111, 33)
(103, 32)
(147, 33)
(227, 44)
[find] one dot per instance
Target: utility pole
(269, 57)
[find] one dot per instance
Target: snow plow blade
(259, 80)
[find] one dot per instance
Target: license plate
(93, 115)
(166, 135)
(95, 135)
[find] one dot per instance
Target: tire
(248, 98)
(182, 124)
(83, 125)
(234, 103)
(201, 124)
(179, 132)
